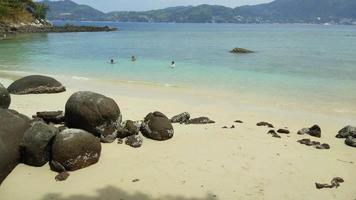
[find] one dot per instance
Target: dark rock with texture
(201, 120)
(36, 84)
(181, 118)
(93, 112)
(346, 132)
(314, 131)
(134, 141)
(62, 176)
(37, 143)
(284, 131)
(241, 50)
(269, 125)
(350, 141)
(76, 149)
(5, 98)
(157, 126)
(55, 117)
(128, 128)
(56, 166)
(12, 128)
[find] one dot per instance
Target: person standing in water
(133, 59)
(173, 64)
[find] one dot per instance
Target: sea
(295, 64)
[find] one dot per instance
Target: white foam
(80, 78)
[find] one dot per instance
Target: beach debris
(269, 125)
(241, 50)
(273, 133)
(335, 183)
(76, 149)
(351, 141)
(55, 117)
(62, 176)
(95, 113)
(128, 128)
(5, 98)
(36, 144)
(346, 132)
(315, 144)
(134, 141)
(135, 180)
(181, 118)
(314, 131)
(36, 84)
(283, 131)
(201, 120)
(157, 126)
(12, 128)
(238, 121)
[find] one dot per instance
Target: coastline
(201, 161)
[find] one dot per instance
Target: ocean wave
(80, 78)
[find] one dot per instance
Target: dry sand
(200, 161)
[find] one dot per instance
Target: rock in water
(55, 117)
(201, 120)
(346, 132)
(5, 98)
(128, 128)
(36, 84)
(181, 118)
(76, 149)
(241, 50)
(350, 141)
(312, 131)
(157, 126)
(36, 144)
(94, 113)
(134, 141)
(12, 128)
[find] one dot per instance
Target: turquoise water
(299, 61)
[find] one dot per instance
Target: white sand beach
(200, 161)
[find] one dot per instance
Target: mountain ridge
(278, 11)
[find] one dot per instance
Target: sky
(141, 5)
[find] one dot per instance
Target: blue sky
(139, 5)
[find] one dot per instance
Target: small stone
(239, 121)
(62, 176)
(134, 141)
(284, 131)
(135, 180)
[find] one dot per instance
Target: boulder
(12, 128)
(201, 120)
(314, 131)
(36, 144)
(181, 118)
(134, 141)
(346, 132)
(241, 50)
(157, 126)
(128, 128)
(36, 84)
(75, 149)
(55, 117)
(95, 113)
(5, 98)
(350, 141)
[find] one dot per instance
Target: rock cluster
(314, 131)
(348, 132)
(314, 144)
(335, 183)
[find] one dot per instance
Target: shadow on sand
(113, 193)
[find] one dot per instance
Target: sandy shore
(201, 161)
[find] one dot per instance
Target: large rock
(37, 143)
(5, 98)
(157, 126)
(346, 132)
(76, 149)
(351, 141)
(94, 113)
(36, 84)
(312, 131)
(12, 128)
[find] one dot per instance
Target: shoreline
(240, 163)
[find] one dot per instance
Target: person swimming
(133, 58)
(112, 61)
(173, 64)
